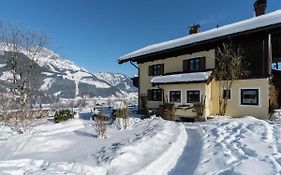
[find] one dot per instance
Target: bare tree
(21, 50)
(230, 66)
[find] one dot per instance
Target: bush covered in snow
(121, 113)
(63, 115)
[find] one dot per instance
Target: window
(175, 96)
(155, 94)
(226, 94)
(155, 70)
(193, 96)
(250, 97)
(194, 64)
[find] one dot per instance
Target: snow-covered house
(180, 70)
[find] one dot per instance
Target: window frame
(192, 91)
(196, 64)
(152, 94)
(180, 96)
(242, 90)
(156, 70)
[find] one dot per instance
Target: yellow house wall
(234, 107)
(173, 64)
(214, 98)
(202, 87)
(208, 100)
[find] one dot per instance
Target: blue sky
(94, 33)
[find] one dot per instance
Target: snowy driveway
(190, 157)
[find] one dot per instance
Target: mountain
(61, 78)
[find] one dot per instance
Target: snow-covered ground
(152, 146)
(73, 148)
(231, 146)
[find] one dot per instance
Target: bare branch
(20, 51)
(230, 66)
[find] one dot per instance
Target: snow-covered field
(151, 146)
(73, 148)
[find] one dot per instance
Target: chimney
(194, 29)
(260, 6)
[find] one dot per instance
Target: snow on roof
(182, 78)
(242, 26)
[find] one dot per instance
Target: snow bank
(119, 123)
(168, 158)
(6, 132)
(146, 154)
(41, 167)
(51, 129)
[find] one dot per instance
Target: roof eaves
(180, 82)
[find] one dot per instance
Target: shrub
(101, 121)
(169, 111)
(63, 115)
(199, 109)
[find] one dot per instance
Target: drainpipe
(134, 65)
(139, 82)
(269, 65)
(269, 55)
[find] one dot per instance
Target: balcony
(136, 81)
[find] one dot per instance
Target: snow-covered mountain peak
(46, 57)
(62, 78)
